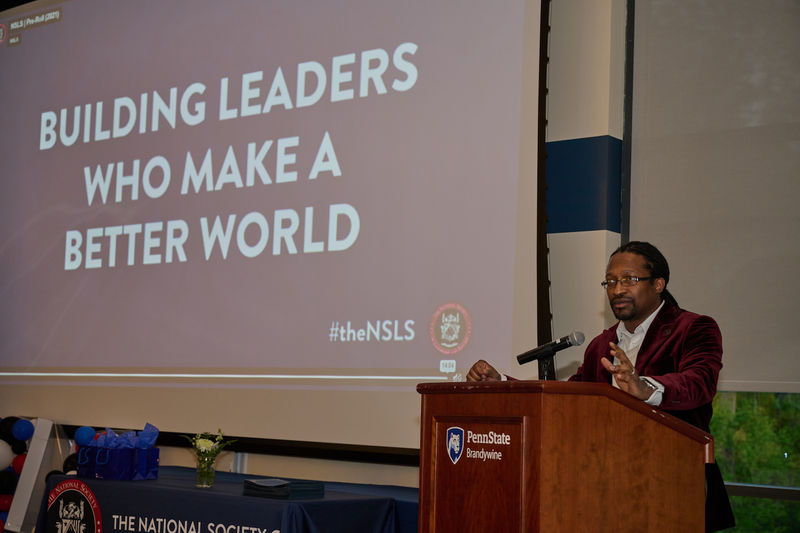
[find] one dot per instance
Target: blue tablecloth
(172, 504)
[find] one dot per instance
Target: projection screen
(715, 159)
(271, 218)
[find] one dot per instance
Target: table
(172, 504)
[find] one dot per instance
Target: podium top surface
(570, 388)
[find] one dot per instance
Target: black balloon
(8, 482)
(70, 463)
(7, 434)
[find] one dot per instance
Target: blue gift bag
(119, 464)
(87, 460)
(145, 463)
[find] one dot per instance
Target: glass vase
(205, 471)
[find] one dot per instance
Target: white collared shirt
(630, 344)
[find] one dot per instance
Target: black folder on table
(295, 489)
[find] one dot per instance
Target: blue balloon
(22, 429)
(84, 435)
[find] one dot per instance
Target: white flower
(205, 445)
(208, 444)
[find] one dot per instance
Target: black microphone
(575, 338)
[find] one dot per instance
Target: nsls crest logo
(72, 508)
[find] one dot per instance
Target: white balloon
(6, 455)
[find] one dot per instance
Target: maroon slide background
(432, 172)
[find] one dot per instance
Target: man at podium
(657, 352)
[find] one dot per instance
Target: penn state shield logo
(455, 443)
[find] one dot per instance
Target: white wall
(586, 74)
(577, 266)
(586, 83)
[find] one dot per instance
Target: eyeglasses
(627, 281)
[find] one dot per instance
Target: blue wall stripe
(583, 184)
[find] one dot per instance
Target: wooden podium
(531, 456)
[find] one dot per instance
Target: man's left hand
(625, 374)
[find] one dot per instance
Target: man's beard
(625, 313)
